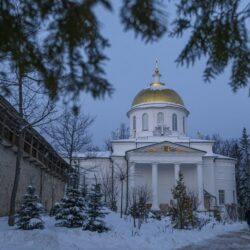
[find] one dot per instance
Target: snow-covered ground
(154, 235)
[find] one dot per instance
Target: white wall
(152, 112)
(165, 182)
(209, 175)
(225, 178)
(190, 178)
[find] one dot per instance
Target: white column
(155, 203)
(200, 186)
(176, 172)
(132, 174)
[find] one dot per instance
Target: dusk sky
(213, 107)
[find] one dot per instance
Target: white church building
(159, 147)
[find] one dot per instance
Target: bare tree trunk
(121, 199)
(19, 156)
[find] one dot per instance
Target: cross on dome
(157, 75)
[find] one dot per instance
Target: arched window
(160, 118)
(145, 121)
(134, 123)
(174, 122)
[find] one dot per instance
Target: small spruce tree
(182, 214)
(71, 211)
(95, 211)
(29, 215)
(138, 209)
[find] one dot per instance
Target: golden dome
(150, 95)
(157, 92)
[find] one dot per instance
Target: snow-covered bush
(157, 215)
(70, 212)
(95, 211)
(29, 215)
(182, 211)
(202, 222)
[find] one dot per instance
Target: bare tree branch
(69, 134)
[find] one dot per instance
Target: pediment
(166, 147)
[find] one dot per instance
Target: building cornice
(157, 105)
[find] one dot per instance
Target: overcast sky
(214, 108)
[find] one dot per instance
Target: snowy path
(154, 235)
(231, 241)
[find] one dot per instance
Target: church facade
(159, 148)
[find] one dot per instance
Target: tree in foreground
(182, 211)
(95, 211)
(138, 209)
(71, 211)
(29, 216)
(34, 109)
(62, 40)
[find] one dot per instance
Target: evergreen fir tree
(243, 175)
(245, 146)
(181, 211)
(95, 211)
(243, 194)
(235, 153)
(29, 216)
(71, 211)
(138, 209)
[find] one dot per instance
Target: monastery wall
(49, 188)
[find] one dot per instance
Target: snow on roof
(219, 156)
(201, 140)
(93, 154)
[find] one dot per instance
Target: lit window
(134, 123)
(174, 122)
(160, 118)
(221, 197)
(145, 122)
